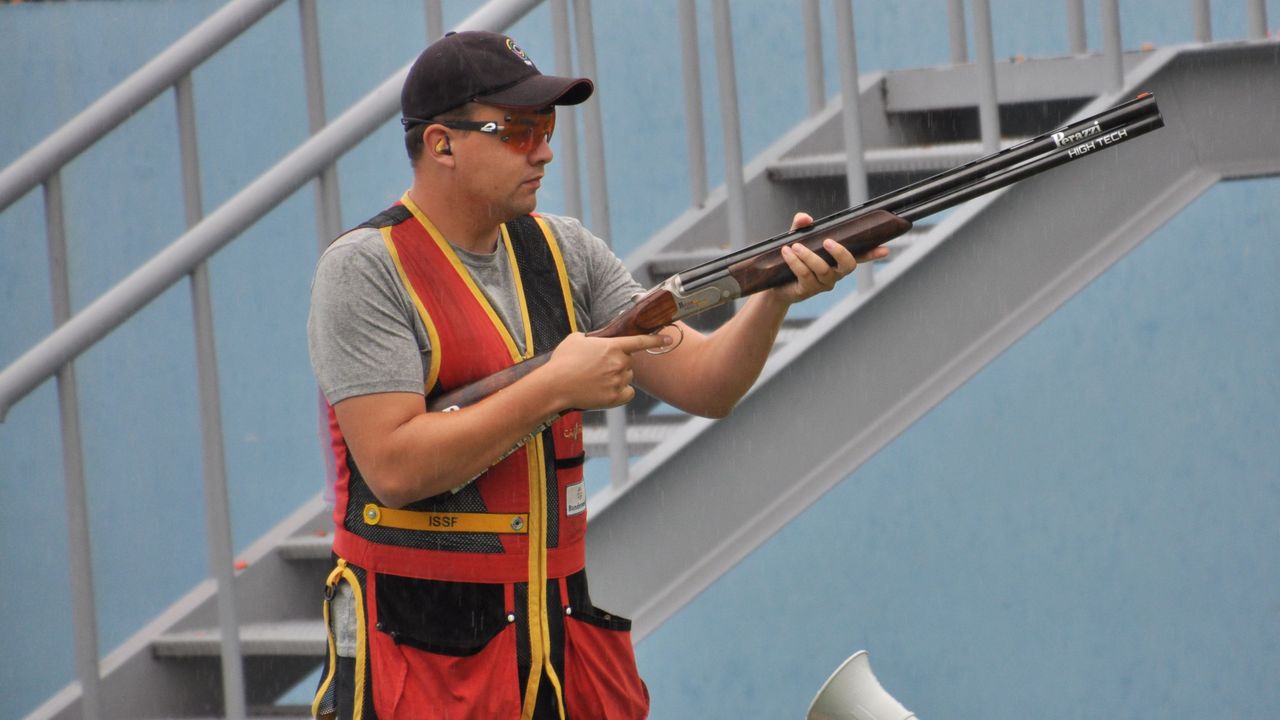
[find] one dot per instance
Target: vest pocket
(443, 650)
(600, 667)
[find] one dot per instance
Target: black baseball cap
(484, 67)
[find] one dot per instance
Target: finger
(635, 343)
(805, 277)
(878, 253)
(626, 395)
(801, 219)
(818, 267)
(845, 261)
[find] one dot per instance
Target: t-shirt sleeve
(360, 330)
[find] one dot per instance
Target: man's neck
(470, 231)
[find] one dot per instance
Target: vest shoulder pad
(393, 215)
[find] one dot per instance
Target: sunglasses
(521, 132)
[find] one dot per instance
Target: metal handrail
(219, 227)
(159, 74)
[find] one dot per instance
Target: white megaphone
(853, 693)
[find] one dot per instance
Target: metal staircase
(951, 297)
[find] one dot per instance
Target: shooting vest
(512, 539)
(525, 517)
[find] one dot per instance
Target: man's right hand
(595, 373)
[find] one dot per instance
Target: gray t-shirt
(365, 335)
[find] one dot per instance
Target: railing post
(813, 56)
(1202, 20)
(729, 124)
(1257, 19)
(694, 130)
(328, 212)
(328, 204)
(1075, 27)
(988, 106)
(567, 125)
(435, 20)
(1112, 49)
(959, 41)
(615, 418)
(217, 510)
(851, 121)
(84, 616)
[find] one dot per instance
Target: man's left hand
(813, 274)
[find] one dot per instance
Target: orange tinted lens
(524, 132)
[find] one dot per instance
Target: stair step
(642, 435)
(293, 638)
(926, 159)
(307, 547)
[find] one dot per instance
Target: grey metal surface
(328, 197)
(1075, 27)
(988, 113)
(84, 616)
(274, 589)
(304, 638)
(1201, 20)
(730, 129)
(691, 82)
(989, 272)
(1257, 19)
(567, 125)
(1111, 49)
(813, 71)
(855, 171)
(213, 454)
(955, 29)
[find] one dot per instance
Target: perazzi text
(1060, 138)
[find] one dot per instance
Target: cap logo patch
(513, 47)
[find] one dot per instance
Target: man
(459, 589)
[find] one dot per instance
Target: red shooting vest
(523, 521)
(534, 499)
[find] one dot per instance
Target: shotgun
(859, 228)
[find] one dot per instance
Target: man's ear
(436, 142)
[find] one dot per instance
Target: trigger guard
(665, 350)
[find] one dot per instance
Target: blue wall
(1094, 513)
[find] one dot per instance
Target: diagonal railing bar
(219, 227)
(140, 88)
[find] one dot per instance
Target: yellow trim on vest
(564, 274)
(465, 522)
(463, 273)
(539, 627)
(433, 336)
(342, 572)
(537, 586)
(524, 306)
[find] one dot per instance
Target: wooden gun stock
(859, 234)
